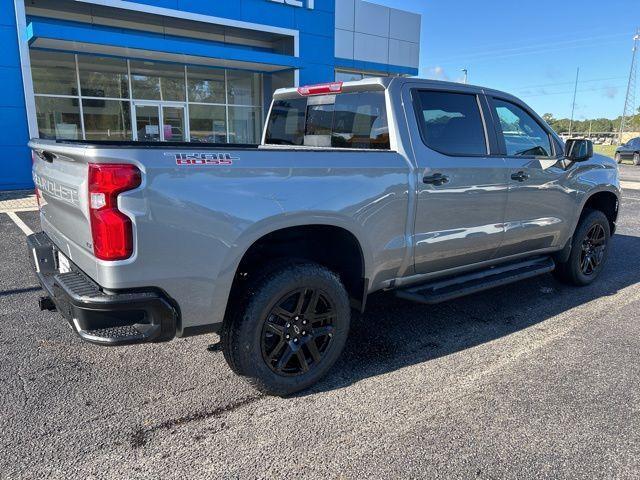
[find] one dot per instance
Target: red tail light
(110, 228)
(321, 89)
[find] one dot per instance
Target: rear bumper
(120, 318)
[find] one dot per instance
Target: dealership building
(198, 71)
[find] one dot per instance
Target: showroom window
(106, 98)
(353, 75)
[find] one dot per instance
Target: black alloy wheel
(589, 250)
(593, 249)
(298, 332)
(288, 327)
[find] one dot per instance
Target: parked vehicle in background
(432, 189)
(629, 151)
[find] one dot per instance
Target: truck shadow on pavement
(394, 333)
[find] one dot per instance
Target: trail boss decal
(204, 158)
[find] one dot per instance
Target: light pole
(573, 105)
(465, 77)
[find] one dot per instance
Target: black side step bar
(442, 290)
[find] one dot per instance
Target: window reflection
(53, 73)
(58, 118)
(208, 123)
(206, 85)
(103, 77)
(213, 105)
(106, 119)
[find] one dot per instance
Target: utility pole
(573, 105)
(630, 99)
(465, 72)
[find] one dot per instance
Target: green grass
(608, 150)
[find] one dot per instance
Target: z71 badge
(203, 158)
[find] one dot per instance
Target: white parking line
(21, 225)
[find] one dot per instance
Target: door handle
(436, 179)
(520, 176)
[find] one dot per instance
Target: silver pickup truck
(432, 189)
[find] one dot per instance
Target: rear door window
(451, 123)
(347, 120)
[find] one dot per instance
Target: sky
(532, 49)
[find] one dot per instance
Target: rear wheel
(589, 250)
(636, 158)
(618, 158)
(289, 329)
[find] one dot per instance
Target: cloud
(437, 73)
(610, 92)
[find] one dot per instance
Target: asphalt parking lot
(535, 379)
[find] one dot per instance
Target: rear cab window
(347, 120)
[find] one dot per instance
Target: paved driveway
(535, 379)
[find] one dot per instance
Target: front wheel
(589, 250)
(636, 159)
(290, 328)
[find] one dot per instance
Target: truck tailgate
(60, 174)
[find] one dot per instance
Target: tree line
(561, 125)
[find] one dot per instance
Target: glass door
(173, 123)
(159, 122)
(147, 122)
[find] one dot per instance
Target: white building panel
(345, 14)
(405, 26)
(405, 54)
(372, 19)
(370, 48)
(344, 44)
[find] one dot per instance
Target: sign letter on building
(296, 3)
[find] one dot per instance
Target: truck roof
(383, 83)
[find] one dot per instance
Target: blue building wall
(316, 26)
(316, 62)
(15, 159)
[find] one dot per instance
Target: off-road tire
(571, 271)
(242, 335)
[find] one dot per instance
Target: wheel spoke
(313, 350)
(285, 358)
(583, 263)
(300, 304)
(322, 317)
(277, 349)
(303, 360)
(278, 311)
(313, 303)
(275, 329)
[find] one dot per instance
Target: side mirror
(578, 149)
